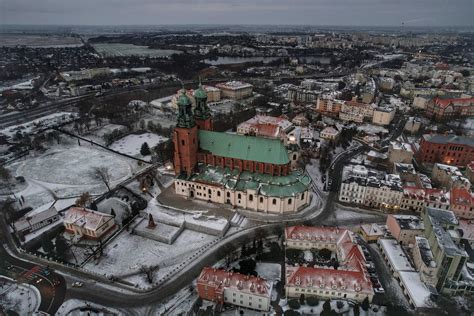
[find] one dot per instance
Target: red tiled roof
(267, 130)
(461, 196)
(446, 102)
(309, 233)
(224, 279)
(329, 279)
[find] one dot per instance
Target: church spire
(185, 114)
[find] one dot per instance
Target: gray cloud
(315, 12)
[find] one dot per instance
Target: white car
(77, 284)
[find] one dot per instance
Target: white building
(383, 116)
(87, 223)
(278, 195)
(235, 90)
(35, 220)
(372, 192)
(349, 281)
(234, 288)
(329, 133)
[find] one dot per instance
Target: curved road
(99, 290)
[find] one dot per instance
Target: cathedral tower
(185, 138)
(202, 113)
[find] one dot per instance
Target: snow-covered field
(124, 256)
(131, 144)
(40, 123)
(269, 271)
(65, 171)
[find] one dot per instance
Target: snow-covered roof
(329, 279)
(86, 218)
(395, 255)
(418, 292)
(373, 229)
(238, 282)
(425, 251)
(34, 217)
(409, 222)
(234, 85)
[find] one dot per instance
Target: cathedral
(248, 172)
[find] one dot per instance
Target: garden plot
(124, 256)
(131, 144)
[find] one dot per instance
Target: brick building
(446, 149)
(444, 109)
(243, 171)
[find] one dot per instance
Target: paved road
(101, 291)
(51, 287)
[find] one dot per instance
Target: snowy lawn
(66, 171)
(124, 256)
(269, 271)
(20, 298)
(74, 166)
(131, 144)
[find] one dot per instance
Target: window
(218, 193)
(209, 191)
(274, 201)
(228, 194)
(182, 142)
(261, 199)
(239, 196)
(289, 201)
(251, 197)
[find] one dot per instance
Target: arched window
(274, 201)
(251, 197)
(182, 142)
(289, 201)
(261, 199)
(228, 194)
(239, 196)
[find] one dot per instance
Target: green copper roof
(293, 184)
(185, 113)
(183, 99)
(244, 147)
(200, 93)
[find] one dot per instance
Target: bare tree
(84, 200)
(5, 176)
(102, 174)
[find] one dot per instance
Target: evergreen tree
(47, 244)
(145, 150)
(356, 310)
(365, 304)
(61, 247)
(327, 306)
(302, 299)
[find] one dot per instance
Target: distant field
(108, 49)
(11, 40)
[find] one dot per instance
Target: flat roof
(395, 255)
(418, 292)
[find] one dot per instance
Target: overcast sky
(314, 12)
